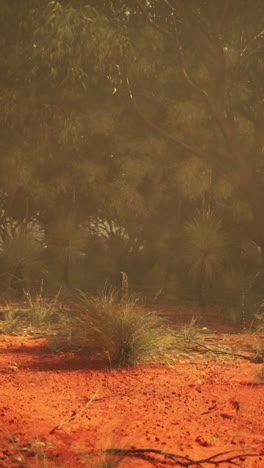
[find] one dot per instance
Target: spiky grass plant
(31, 454)
(121, 328)
(206, 244)
(190, 330)
(11, 320)
(205, 251)
(42, 310)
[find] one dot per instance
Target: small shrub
(42, 311)
(190, 330)
(121, 328)
(21, 254)
(11, 320)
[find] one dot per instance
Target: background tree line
(132, 139)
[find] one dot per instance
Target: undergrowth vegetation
(42, 311)
(118, 326)
(114, 325)
(37, 314)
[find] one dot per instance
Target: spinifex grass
(121, 328)
(190, 330)
(11, 320)
(42, 311)
(30, 454)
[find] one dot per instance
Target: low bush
(42, 311)
(120, 327)
(11, 320)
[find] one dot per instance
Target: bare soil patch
(196, 407)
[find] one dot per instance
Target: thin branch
(198, 88)
(152, 22)
(184, 461)
(174, 36)
(257, 36)
(186, 75)
(75, 415)
(257, 359)
(169, 5)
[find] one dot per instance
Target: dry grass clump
(189, 331)
(120, 327)
(31, 454)
(42, 311)
(11, 320)
(38, 314)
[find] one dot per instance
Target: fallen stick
(257, 359)
(185, 461)
(75, 415)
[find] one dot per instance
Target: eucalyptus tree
(134, 113)
(216, 101)
(71, 147)
(208, 93)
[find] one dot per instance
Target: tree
(81, 151)
(21, 255)
(216, 108)
(132, 114)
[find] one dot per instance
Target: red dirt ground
(195, 408)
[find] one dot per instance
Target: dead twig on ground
(185, 461)
(93, 399)
(257, 359)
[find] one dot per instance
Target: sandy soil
(195, 408)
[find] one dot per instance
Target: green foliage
(194, 178)
(223, 190)
(66, 236)
(82, 45)
(21, 253)
(71, 133)
(66, 241)
(147, 44)
(121, 328)
(188, 114)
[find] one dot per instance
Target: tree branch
(198, 89)
(219, 163)
(185, 461)
(75, 415)
(245, 48)
(153, 23)
(174, 36)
